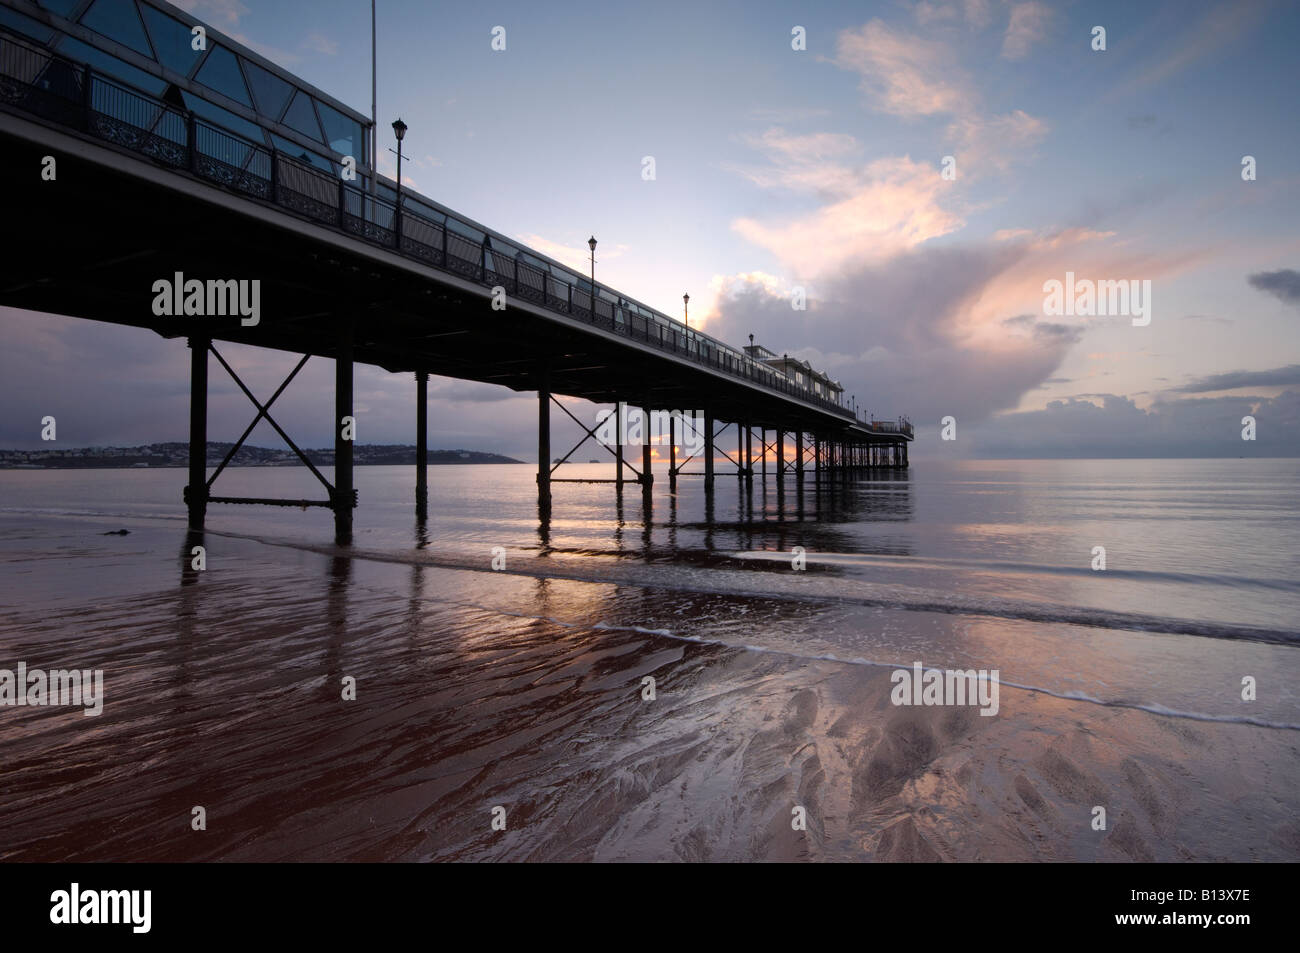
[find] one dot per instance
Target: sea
(664, 676)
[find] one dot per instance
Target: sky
(820, 169)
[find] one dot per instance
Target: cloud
(1027, 26)
(1211, 34)
(881, 209)
(927, 12)
(1144, 121)
(812, 162)
(976, 12)
(1288, 376)
(895, 331)
(928, 329)
(901, 73)
(908, 76)
(994, 142)
(1116, 427)
(1283, 285)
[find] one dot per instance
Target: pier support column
(421, 444)
(749, 454)
(798, 455)
(762, 442)
(647, 470)
(344, 494)
(196, 493)
(708, 451)
(780, 455)
(618, 446)
(672, 450)
(905, 461)
(544, 442)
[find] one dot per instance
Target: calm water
(521, 686)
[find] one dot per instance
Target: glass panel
(224, 118)
(221, 72)
(428, 211)
(117, 20)
(171, 41)
(111, 65)
(298, 152)
(460, 228)
(61, 7)
(270, 91)
(60, 79)
(25, 25)
(302, 117)
(343, 134)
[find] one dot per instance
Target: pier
(218, 167)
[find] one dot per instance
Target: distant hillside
(178, 455)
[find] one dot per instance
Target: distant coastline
(177, 455)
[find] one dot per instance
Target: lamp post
(686, 313)
(399, 130)
(591, 243)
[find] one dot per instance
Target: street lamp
(686, 303)
(399, 130)
(591, 243)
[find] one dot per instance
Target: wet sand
(478, 689)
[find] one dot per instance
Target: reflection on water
(759, 514)
(224, 686)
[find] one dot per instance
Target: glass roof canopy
(149, 44)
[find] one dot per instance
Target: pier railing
(903, 427)
(70, 93)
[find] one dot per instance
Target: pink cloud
(902, 74)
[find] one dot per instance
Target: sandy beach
(477, 689)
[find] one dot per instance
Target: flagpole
(374, 123)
